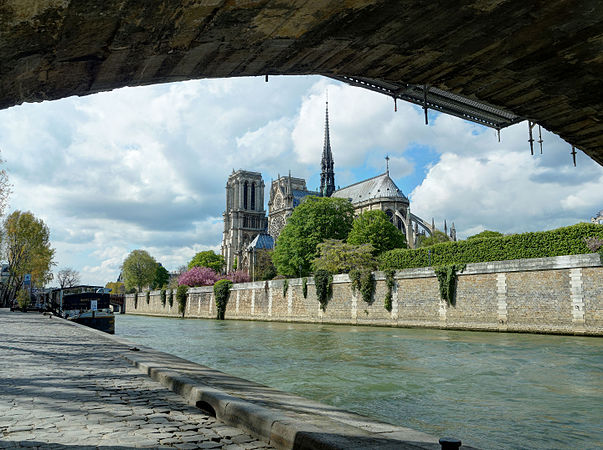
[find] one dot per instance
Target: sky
(146, 167)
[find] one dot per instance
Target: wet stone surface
(61, 387)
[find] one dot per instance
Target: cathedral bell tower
(244, 217)
(327, 174)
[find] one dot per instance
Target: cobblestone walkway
(61, 387)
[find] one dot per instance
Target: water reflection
(517, 390)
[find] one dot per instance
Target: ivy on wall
(181, 294)
(221, 293)
(285, 287)
(171, 298)
(135, 300)
(562, 241)
(447, 280)
(163, 297)
(323, 281)
(363, 281)
(305, 287)
(390, 282)
(148, 296)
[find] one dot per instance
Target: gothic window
(245, 195)
(399, 223)
(245, 224)
(253, 196)
(390, 215)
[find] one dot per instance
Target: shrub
(148, 297)
(163, 297)
(181, 294)
(562, 241)
(486, 234)
(363, 281)
(238, 276)
(305, 287)
(198, 276)
(222, 292)
(447, 280)
(323, 282)
(23, 299)
(336, 256)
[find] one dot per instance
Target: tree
(207, 259)
(313, 221)
(339, 257)
(138, 269)
(436, 238)
(27, 250)
(116, 287)
(198, 276)
(68, 277)
(264, 268)
(373, 227)
(486, 234)
(162, 277)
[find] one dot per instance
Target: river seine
(491, 390)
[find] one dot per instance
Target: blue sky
(146, 167)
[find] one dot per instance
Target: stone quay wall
(562, 295)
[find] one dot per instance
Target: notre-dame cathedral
(248, 230)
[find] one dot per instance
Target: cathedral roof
(299, 195)
(376, 187)
(261, 242)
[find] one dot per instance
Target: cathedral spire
(327, 175)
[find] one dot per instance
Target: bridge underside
(492, 61)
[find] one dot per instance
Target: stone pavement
(61, 387)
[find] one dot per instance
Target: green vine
(305, 287)
(390, 282)
(163, 297)
(447, 279)
(135, 300)
(222, 292)
(181, 294)
(148, 297)
(171, 298)
(363, 281)
(285, 287)
(323, 281)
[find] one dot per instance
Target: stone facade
(285, 194)
(244, 217)
(561, 295)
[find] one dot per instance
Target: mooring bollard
(449, 443)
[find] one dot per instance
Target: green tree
(339, 257)
(138, 269)
(436, 238)
(373, 227)
(27, 251)
(162, 277)
(486, 234)
(116, 287)
(264, 268)
(313, 221)
(207, 259)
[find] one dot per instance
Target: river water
(491, 390)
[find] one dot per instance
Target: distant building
(248, 230)
(598, 218)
